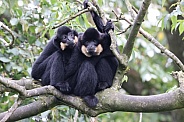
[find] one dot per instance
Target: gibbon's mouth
(95, 52)
(63, 46)
(89, 53)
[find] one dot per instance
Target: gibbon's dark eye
(71, 35)
(64, 36)
(86, 42)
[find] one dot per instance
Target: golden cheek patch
(63, 45)
(84, 51)
(99, 49)
(75, 40)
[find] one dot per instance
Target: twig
(137, 23)
(130, 10)
(140, 117)
(136, 11)
(70, 18)
(79, 2)
(10, 31)
(20, 89)
(91, 7)
(119, 33)
(157, 44)
(76, 116)
(11, 110)
(162, 48)
(93, 119)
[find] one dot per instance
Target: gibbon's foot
(63, 87)
(91, 101)
(102, 85)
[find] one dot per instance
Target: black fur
(90, 73)
(50, 66)
(94, 73)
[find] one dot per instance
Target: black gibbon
(92, 66)
(90, 69)
(112, 61)
(50, 65)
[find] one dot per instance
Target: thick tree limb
(31, 109)
(11, 110)
(110, 100)
(127, 50)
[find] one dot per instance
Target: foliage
(32, 22)
(174, 17)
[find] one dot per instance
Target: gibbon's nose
(91, 50)
(71, 38)
(91, 47)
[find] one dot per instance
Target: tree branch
(127, 50)
(11, 110)
(70, 18)
(110, 100)
(13, 37)
(31, 109)
(7, 83)
(157, 44)
(162, 48)
(130, 9)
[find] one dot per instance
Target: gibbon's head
(91, 42)
(66, 37)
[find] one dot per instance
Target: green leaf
(14, 51)
(32, 39)
(166, 20)
(25, 25)
(38, 29)
(181, 27)
(18, 68)
(174, 22)
(2, 7)
(44, 32)
(162, 23)
(4, 59)
(163, 2)
(14, 21)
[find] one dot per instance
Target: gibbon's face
(68, 40)
(91, 42)
(91, 48)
